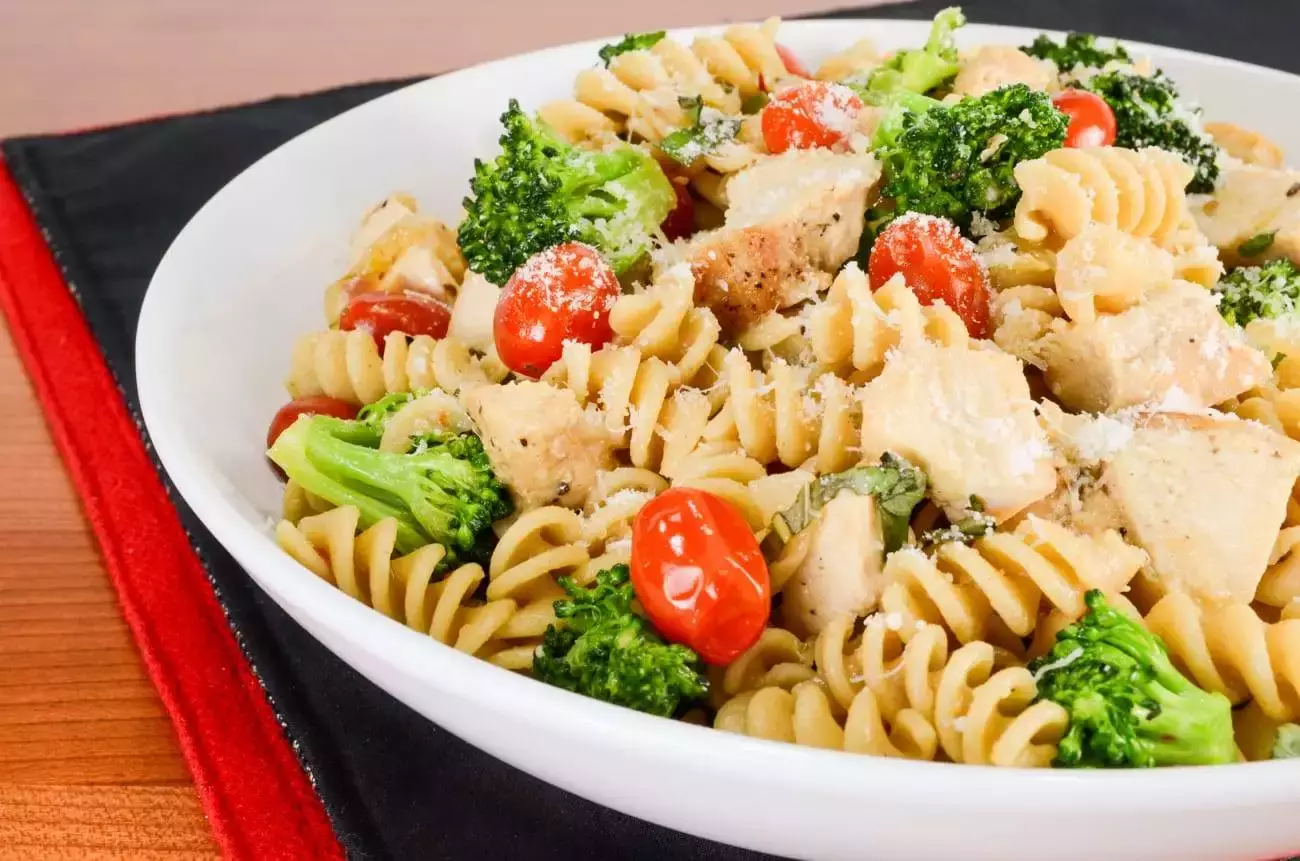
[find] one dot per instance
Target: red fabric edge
(260, 803)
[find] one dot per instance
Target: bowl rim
(804, 770)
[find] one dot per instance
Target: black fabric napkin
(396, 786)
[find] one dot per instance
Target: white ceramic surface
(246, 277)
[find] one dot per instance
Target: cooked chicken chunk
(966, 417)
(471, 316)
(823, 193)
(543, 445)
(791, 220)
(843, 572)
(1175, 339)
(1248, 201)
(1204, 496)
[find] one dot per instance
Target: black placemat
(394, 785)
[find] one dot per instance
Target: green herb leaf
(684, 146)
(974, 526)
(1287, 743)
(897, 485)
(755, 103)
(1276, 360)
(631, 42)
(1257, 244)
(692, 105)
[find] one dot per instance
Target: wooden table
(89, 766)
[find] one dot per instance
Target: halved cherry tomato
(1092, 122)
(792, 63)
(815, 114)
(939, 265)
(312, 405)
(680, 223)
(699, 574)
(561, 294)
(410, 312)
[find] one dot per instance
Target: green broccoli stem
(308, 442)
(1193, 727)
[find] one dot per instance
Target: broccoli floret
(918, 70)
(630, 42)
(1287, 743)
(541, 191)
(1147, 113)
(443, 492)
(1078, 49)
(603, 649)
(1250, 292)
(953, 160)
(1129, 706)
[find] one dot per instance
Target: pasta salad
(940, 404)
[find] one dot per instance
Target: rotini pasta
(350, 366)
(1246, 144)
(404, 589)
(1230, 650)
(784, 415)
(854, 329)
(1003, 578)
(1141, 193)
(1104, 270)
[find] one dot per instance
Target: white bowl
(246, 276)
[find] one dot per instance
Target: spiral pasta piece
(403, 589)
(533, 553)
(1022, 317)
(612, 506)
(663, 322)
(996, 585)
(988, 717)
(804, 716)
(777, 659)
(1230, 650)
(300, 502)
(1280, 584)
(350, 366)
(860, 57)
(1246, 144)
(1104, 270)
(744, 58)
(1140, 192)
(785, 415)
(854, 329)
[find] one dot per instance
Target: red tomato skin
(792, 63)
(409, 312)
(1092, 122)
(699, 574)
(312, 405)
(808, 117)
(938, 263)
(680, 223)
(564, 293)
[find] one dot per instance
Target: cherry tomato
(939, 265)
(1092, 122)
(699, 574)
(312, 405)
(561, 294)
(815, 114)
(792, 63)
(409, 312)
(680, 223)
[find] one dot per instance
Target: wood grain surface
(89, 766)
